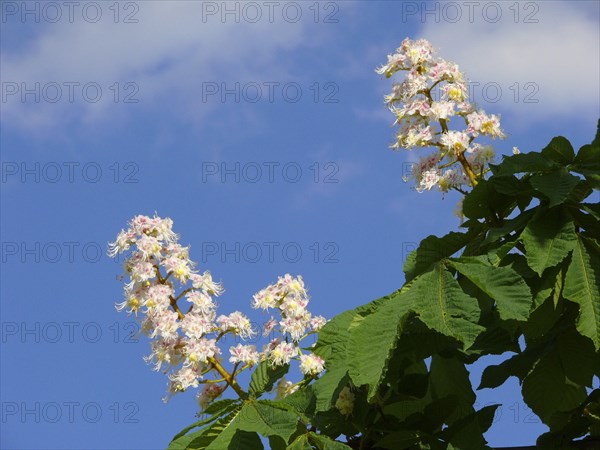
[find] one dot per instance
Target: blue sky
(265, 132)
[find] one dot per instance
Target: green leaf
(442, 305)
(547, 390)
(556, 186)
(516, 224)
(477, 203)
(548, 239)
(518, 365)
(264, 376)
(560, 150)
(251, 417)
(400, 440)
(582, 286)
(267, 419)
(504, 285)
(433, 249)
(323, 442)
(332, 347)
(577, 357)
(468, 431)
(588, 158)
(372, 341)
(203, 438)
(300, 443)
(449, 377)
(214, 411)
(243, 440)
(523, 162)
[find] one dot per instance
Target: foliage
(523, 277)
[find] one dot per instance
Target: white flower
(237, 323)
(198, 351)
(311, 364)
(281, 354)
(455, 140)
(245, 354)
(516, 151)
(209, 393)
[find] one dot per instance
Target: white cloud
(560, 53)
(167, 55)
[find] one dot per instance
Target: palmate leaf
(441, 304)
(556, 186)
(372, 340)
(238, 429)
(321, 442)
(214, 411)
(548, 239)
(504, 285)
(547, 390)
(433, 249)
(582, 286)
(264, 376)
(560, 150)
(332, 347)
(524, 162)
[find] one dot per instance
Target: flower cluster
(433, 91)
(185, 340)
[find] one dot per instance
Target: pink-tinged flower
(163, 352)
(265, 299)
(394, 63)
(345, 402)
(125, 239)
(456, 141)
(149, 246)
(196, 324)
(480, 122)
(206, 283)
(269, 326)
(295, 326)
(158, 297)
(414, 136)
(419, 107)
(417, 52)
(428, 179)
(203, 303)
(441, 110)
(141, 224)
(317, 322)
(165, 324)
(452, 178)
(446, 71)
(311, 364)
(184, 378)
(237, 323)
(281, 354)
(141, 271)
(209, 393)
(198, 351)
(245, 354)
